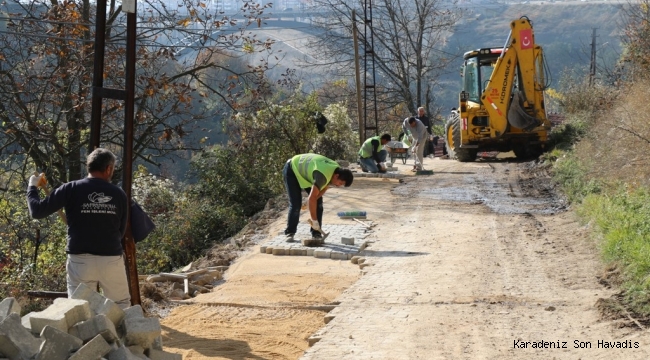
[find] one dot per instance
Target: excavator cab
(477, 71)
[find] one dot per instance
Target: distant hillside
(563, 30)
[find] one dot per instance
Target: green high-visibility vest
(366, 148)
(304, 166)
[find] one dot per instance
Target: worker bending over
(420, 135)
(372, 156)
(314, 174)
(96, 213)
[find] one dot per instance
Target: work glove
(315, 225)
(37, 180)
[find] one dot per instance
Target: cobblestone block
(15, 341)
(133, 312)
(142, 331)
(162, 355)
(347, 240)
(99, 304)
(8, 306)
(62, 314)
(122, 353)
(337, 255)
(322, 254)
(97, 325)
(57, 345)
(94, 349)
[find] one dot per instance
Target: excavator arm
(514, 93)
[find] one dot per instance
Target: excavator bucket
(517, 115)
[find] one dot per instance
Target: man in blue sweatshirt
(96, 213)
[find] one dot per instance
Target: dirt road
(479, 261)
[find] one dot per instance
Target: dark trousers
(295, 200)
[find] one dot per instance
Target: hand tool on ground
(42, 183)
(325, 235)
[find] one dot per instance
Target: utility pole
(360, 118)
(128, 96)
(369, 78)
(592, 65)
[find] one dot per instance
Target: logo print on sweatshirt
(99, 198)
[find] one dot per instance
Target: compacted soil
(478, 260)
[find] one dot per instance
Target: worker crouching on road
(96, 212)
(372, 157)
(314, 174)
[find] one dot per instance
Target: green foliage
(572, 175)
(32, 251)
(190, 220)
(339, 142)
(565, 135)
(438, 130)
(578, 97)
(622, 222)
(636, 37)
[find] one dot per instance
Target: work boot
(316, 235)
(289, 238)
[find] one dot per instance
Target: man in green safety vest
(371, 155)
(313, 173)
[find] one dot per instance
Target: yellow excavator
(501, 105)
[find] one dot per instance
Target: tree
(46, 72)
(407, 36)
(636, 37)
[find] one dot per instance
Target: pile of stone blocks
(87, 326)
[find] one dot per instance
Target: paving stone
(138, 351)
(134, 311)
(347, 240)
(122, 353)
(322, 254)
(62, 314)
(97, 325)
(8, 306)
(16, 342)
(157, 343)
(163, 355)
(57, 345)
(99, 304)
(94, 349)
(142, 331)
(25, 320)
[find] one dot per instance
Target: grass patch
(622, 223)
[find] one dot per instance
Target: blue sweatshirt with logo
(96, 212)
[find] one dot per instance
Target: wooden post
(127, 171)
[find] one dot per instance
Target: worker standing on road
(428, 148)
(96, 213)
(314, 174)
(420, 135)
(372, 157)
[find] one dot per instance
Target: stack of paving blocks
(87, 326)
